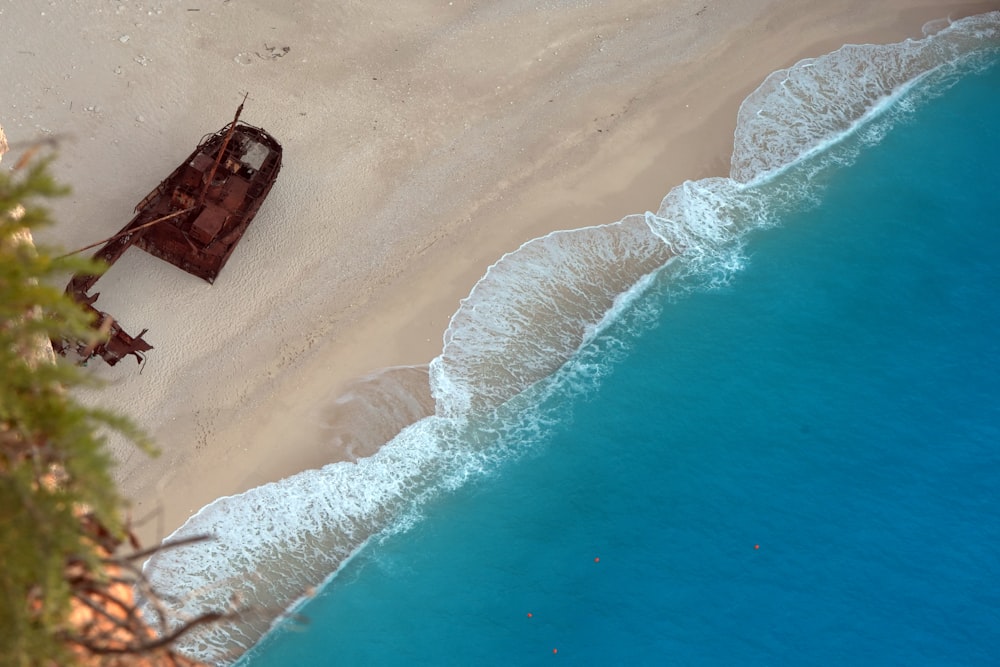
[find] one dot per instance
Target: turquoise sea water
(783, 449)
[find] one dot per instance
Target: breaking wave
(537, 321)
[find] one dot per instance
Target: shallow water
(779, 448)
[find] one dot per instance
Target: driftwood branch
(113, 623)
(141, 647)
(146, 553)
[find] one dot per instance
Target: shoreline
(217, 401)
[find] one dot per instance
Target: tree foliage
(60, 511)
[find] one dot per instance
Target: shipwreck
(193, 219)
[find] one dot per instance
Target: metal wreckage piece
(193, 219)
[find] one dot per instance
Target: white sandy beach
(422, 142)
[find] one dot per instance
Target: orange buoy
(554, 651)
(756, 546)
(597, 560)
(529, 614)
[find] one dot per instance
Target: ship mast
(222, 150)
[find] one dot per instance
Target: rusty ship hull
(193, 219)
(201, 241)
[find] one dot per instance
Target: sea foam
(534, 311)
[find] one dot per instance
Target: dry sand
(422, 141)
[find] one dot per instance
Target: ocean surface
(760, 425)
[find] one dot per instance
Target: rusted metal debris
(193, 219)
